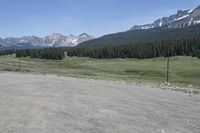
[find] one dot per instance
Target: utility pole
(19, 65)
(168, 65)
(65, 53)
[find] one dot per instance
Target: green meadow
(183, 70)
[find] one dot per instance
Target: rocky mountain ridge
(54, 40)
(181, 19)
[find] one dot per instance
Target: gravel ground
(52, 104)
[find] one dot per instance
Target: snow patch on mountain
(190, 11)
(190, 21)
(182, 17)
(197, 22)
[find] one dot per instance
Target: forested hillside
(132, 44)
(136, 36)
(178, 47)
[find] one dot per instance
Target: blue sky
(96, 17)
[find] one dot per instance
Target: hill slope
(134, 36)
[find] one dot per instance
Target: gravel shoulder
(50, 104)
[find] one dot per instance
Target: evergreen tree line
(183, 47)
(142, 50)
(7, 52)
(47, 53)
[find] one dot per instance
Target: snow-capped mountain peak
(54, 40)
(182, 18)
(59, 40)
(83, 34)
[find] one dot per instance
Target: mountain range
(54, 40)
(183, 24)
(148, 35)
(182, 18)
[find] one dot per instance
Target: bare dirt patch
(52, 104)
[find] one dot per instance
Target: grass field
(183, 70)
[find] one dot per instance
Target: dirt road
(51, 104)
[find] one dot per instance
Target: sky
(96, 17)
